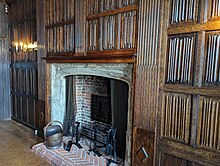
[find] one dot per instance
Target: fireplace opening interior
(101, 104)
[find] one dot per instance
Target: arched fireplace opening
(100, 105)
(57, 93)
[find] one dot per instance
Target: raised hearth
(76, 156)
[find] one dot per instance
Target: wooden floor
(15, 145)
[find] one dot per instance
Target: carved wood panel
(111, 25)
(128, 32)
(92, 36)
(212, 59)
(146, 91)
(143, 151)
(176, 114)
(147, 80)
(109, 36)
(214, 9)
(60, 26)
(183, 11)
(209, 123)
(180, 59)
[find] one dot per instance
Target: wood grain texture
(180, 60)
(24, 66)
(24, 91)
(214, 9)
(80, 25)
(90, 59)
(184, 28)
(143, 139)
(110, 11)
(169, 160)
(202, 92)
(189, 153)
(111, 25)
(176, 115)
(211, 64)
(59, 25)
(41, 51)
(185, 89)
(209, 123)
(183, 11)
(16, 142)
(146, 95)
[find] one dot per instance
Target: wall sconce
(6, 8)
(20, 47)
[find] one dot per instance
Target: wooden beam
(112, 12)
(186, 28)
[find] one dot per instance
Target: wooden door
(24, 64)
(189, 115)
(24, 92)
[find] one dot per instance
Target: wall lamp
(21, 47)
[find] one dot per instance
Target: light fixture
(32, 46)
(21, 47)
(6, 8)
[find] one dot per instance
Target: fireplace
(56, 90)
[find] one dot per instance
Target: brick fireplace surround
(56, 89)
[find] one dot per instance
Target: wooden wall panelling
(183, 11)
(213, 9)
(169, 160)
(180, 59)
(176, 115)
(60, 26)
(203, 119)
(114, 23)
(80, 31)
(41, 51)
(209, 123)
(147, 74)
(143, 149)
(128, 30)
(92, 35)
(147, 64)
(211, 68)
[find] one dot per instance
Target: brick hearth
(76, 156)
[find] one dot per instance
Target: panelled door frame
(24, 92)
(188, 120)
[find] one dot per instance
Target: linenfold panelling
(146, 95)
